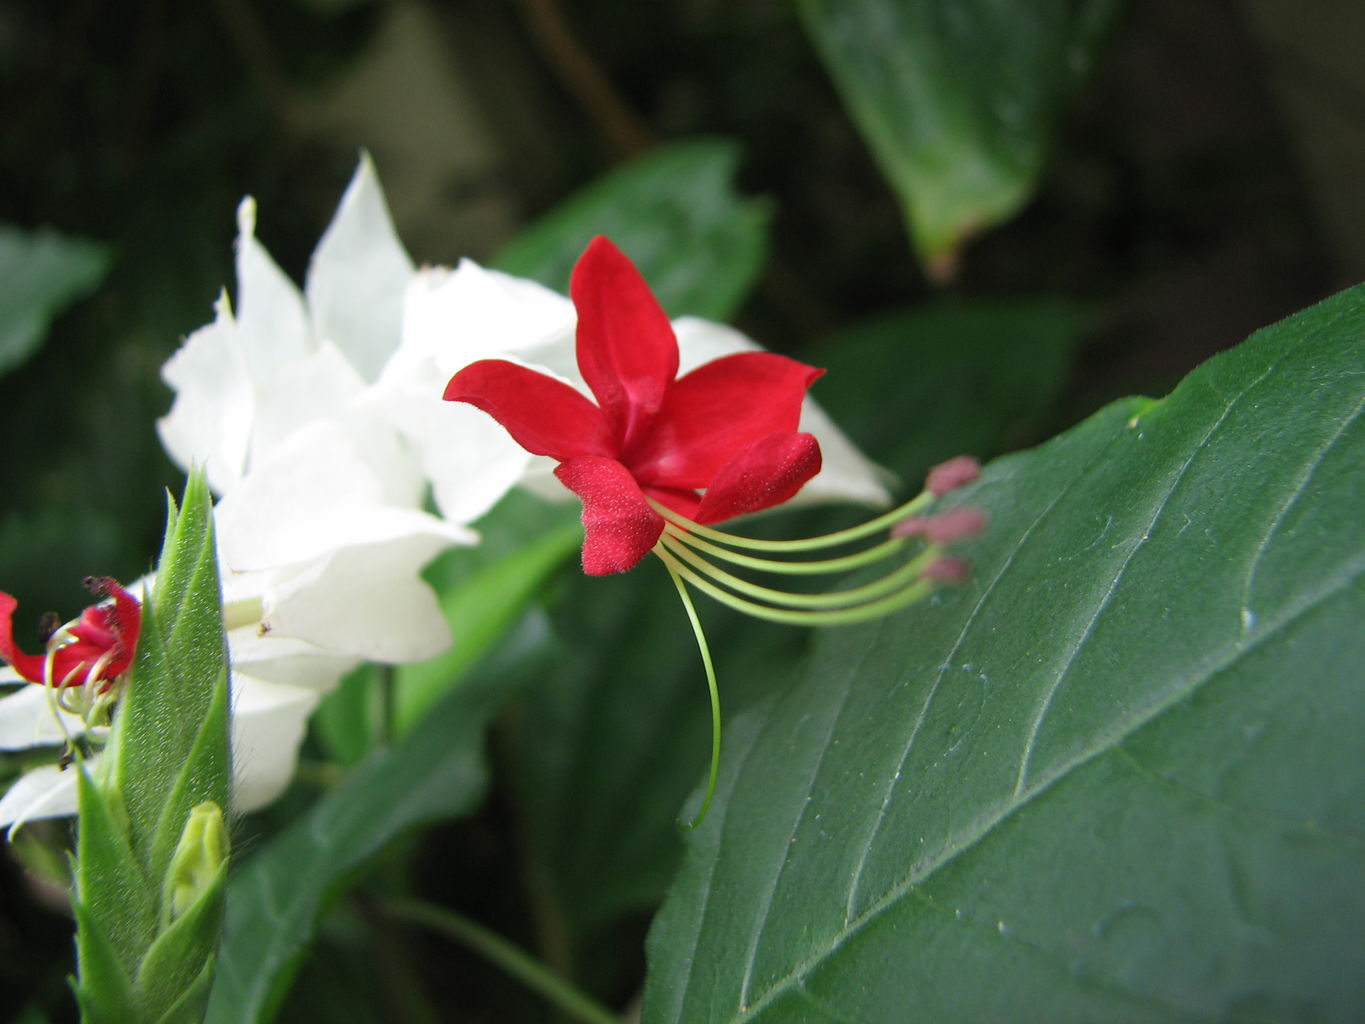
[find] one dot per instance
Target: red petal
(544, 415)
(30, 666)
(123, 622)
(620, 525)
(627, 352)
(717, 409)
(761, 475)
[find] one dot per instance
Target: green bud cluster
(151, 858)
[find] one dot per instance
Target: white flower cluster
(319, 421)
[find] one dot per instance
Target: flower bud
(199, 855)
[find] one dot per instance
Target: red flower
(101, 645)
(727, 429)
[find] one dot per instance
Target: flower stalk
(152, 848)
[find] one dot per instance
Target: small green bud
(202, 849)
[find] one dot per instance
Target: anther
(950, 475)
(955, 524)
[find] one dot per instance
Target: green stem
(883, 522)
(711, 686)
(515, 961)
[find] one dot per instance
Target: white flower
(320, 524)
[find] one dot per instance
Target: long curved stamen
(907, 573)
(799, 617)
(711, 687)
(883, 522)
(812, 568)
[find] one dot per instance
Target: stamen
(831, 599)
(799, 617)
(879, 524)
(711, 687)
(687, 548)
(812, 568)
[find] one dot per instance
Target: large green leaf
(435, 772)
(41, 273)
(677, 215)
(958, 99)
(1118, 777)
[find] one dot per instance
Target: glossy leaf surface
(1118, 774)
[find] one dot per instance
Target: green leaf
(183, 952)
(105, 991)
(1117, 777)
(41, 273)
(674, 211)
(958, 99)
(433, 773)
(352, 718)
(189, 1008)
(110, 886)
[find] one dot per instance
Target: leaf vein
(751, 954)
(1045, 705)
(1310, 468)
(855, 880)
(978, 830)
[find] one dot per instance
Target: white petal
(469, 458)
(454, 318)
(209, 423)
(46, 792)
(268, 721)
(358, 276)
(846, 474)
(27, 719)
(370, 602)
(270, 313)
(288, 660)
(332, 485)
(700, 341)
(298, 392)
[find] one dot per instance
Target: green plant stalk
(150, 865)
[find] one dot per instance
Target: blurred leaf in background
(676, 212)
(41, 273)
(959, 100)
